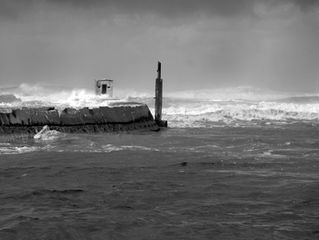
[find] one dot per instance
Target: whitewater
(184, 109)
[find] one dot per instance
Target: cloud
(12, 10)
(167, 8)
(270, 43)
(306, 5)
(164, 8)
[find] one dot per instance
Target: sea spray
(200, 113)
(197, 108)
(46, 134)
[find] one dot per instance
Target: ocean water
(236, 163)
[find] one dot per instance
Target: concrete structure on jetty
(104, 87)
(118, 116)
(123, 116)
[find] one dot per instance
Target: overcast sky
(201, 43)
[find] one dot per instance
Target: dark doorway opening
(104, 88)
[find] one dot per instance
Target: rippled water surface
(221, 182)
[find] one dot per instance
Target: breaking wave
(239, 106)
(38, 96)
(197, 108)
(204, 114)
(114, 148)
(20, 149)
(47, 135)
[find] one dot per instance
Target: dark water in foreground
(194, 183)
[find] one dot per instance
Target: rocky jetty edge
(124, 116)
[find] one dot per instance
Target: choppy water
(229, 169)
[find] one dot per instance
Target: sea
(234, 163)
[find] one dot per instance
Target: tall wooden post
(159, 97)
(158, 94)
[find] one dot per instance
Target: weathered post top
(159, 69)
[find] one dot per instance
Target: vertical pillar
(159, 97)
(158, 94)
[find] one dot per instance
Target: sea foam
(40, 96)
(203, 113)
(196, 108)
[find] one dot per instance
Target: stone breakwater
(118, 117)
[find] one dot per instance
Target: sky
(202, 44)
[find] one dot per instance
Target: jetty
(117, 116)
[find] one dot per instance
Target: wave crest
(183, 108)
(46, 134)
(203, 114)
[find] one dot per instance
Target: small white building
(104, 87)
